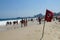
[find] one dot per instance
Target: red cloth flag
(48, 16)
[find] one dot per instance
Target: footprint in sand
(48, 33)
(59, 37)
(53, 27)
(55, 22)
(37, 31)
(51, 31)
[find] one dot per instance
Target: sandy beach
(32, 32)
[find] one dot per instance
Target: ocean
(3, 21)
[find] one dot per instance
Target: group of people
(23, 22)
(10, 23)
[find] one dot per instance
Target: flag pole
(43, 31)
(49, 15)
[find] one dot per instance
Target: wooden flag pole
(48, 18)
(43, 31)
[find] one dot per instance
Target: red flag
(48, 16)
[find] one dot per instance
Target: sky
(24, 8)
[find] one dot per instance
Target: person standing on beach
(59, 19)
(22, 22)
(25, 22)
(39, 20)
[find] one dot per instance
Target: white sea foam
(3, 23)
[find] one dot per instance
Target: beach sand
(32, 32)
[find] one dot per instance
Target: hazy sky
(18, 8)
